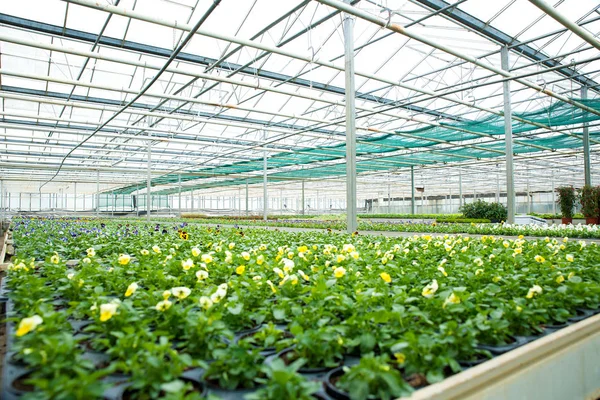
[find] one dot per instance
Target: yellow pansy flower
(206, 258)
(570, 257)
(452, 299)
(303, 275)
(166, 294)
(386, 277)
(535, 289)
(181, 292)
(442, 270)
(91, 252)
(28, 324)
(260, 260)
(55, 259)
(246, 255)
(187, 264)
(163, 305)
(339, 272)
(144, 252)
(560, 279)
(156, 249)
(231, 246)
(205, 302)
(124, 259)
(400, 358)
(429, 290)
(107, 311)
(539, 258)
(201, 275)
(131, 289)
(273, 289)
(240, 270)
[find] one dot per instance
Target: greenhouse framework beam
(566, 22)
(510, 184)
(351, 214)
(54, 30)
(502, 38)
(586, 145)
(422, 39)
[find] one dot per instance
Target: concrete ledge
(559, 366)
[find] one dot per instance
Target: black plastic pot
(330, 388)
(267, 351)
(582, 314)
(316, 374)
(12, 377)
(121, 390)
(497, 350)
(481, 358)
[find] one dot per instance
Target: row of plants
(181, 311)
(587, 196)
(454, 227)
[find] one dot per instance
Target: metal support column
(412, 190)
(247, 210)
(179, 201)
(75, 196)
(352, 223)
(553, 195)
(510, 184)
(265, 204)
(460, 196)
(586, 146)
(497, 186)
(148, 182)
(302, 198)
(389, 199)
(97, 193)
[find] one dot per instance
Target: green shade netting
(555, 115)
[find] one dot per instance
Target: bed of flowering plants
(134, 311)
(574, 231)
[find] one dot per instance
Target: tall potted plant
(588, 197)
(566, 201)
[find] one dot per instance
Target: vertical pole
(497, 186)
(20, 201)
(1, 200)
(179, 201)
(302, 197)
(148, 182)
(247, 210)
(528, 198)
(510, 184)
(412, 190)
(40, 192)
(83, 209)
(460, 196)
(352, 223)
(265, 205)
(586, 145)
(389, 199)
(75, 196)
(97, 192)
(553, 195)
(30, 196)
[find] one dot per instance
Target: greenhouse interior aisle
(299, 199)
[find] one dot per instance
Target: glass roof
(267, 77)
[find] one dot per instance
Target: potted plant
(566, 201)
(588, 197)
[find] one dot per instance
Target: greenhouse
(299, 199)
